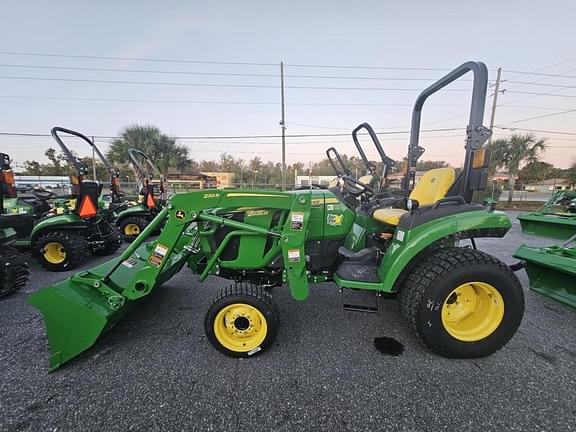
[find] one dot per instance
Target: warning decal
(130, 262)
(294, 255)
(158, 255)
(297, 220)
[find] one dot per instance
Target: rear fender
(64, 221)
(409, 245)
(137, 210)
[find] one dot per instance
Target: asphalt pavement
(156, 371)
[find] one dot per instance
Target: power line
(542, 116)
(94, 69)
(168, 83)
(539, 107)
(75, 56)
(540, 74)
(540, 94)
(540, 84)
(177, 101)
(536, 130)
(211, 137)
(30, 54)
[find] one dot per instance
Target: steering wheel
(356, 187)
(43, 194)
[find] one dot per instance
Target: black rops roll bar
(476, 132)
(76, 162)
(143, 173)
(388, 163)
(344, 169)
(80, 166)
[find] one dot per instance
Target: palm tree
(159, 147)
(512, 152)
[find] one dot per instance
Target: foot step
(356, 300)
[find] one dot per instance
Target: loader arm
(78, 310)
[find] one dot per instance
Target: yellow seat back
(433, 186)
(367, 179)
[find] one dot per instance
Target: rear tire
(14, 271)
(242, 321)
(60, 250)
(131, 227)
(462, 303)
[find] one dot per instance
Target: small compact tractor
(13, 264)
(134, 219)
(556, 219)
(61, 238)
(460, 301)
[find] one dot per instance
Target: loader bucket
(75, 316)
(552, 271)
(558, 226)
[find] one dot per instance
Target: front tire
(60, 250)
(463, 303)
(242, 321)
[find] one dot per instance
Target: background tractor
(62, 238)
(460, 301)
(135, 218)
(13, 264)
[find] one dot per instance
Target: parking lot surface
(156, 371)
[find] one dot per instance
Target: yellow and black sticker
(180, 214)
(334, 219)
(158, 255)
(297, 220)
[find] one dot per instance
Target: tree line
(520, 156)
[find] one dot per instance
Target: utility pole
(93, 161)
(283, 124)
(494, 102)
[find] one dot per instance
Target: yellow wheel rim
(54, 253)
(473, 311)
(240, 327)
(132, 229)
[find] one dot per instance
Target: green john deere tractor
(13, 264)
(61, 238)
(134, 219)
(460, 301)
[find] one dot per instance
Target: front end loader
(461, 302)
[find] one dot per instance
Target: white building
(306, 180)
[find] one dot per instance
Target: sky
(205, 42)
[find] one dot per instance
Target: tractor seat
(367, 179)
(433, 186)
